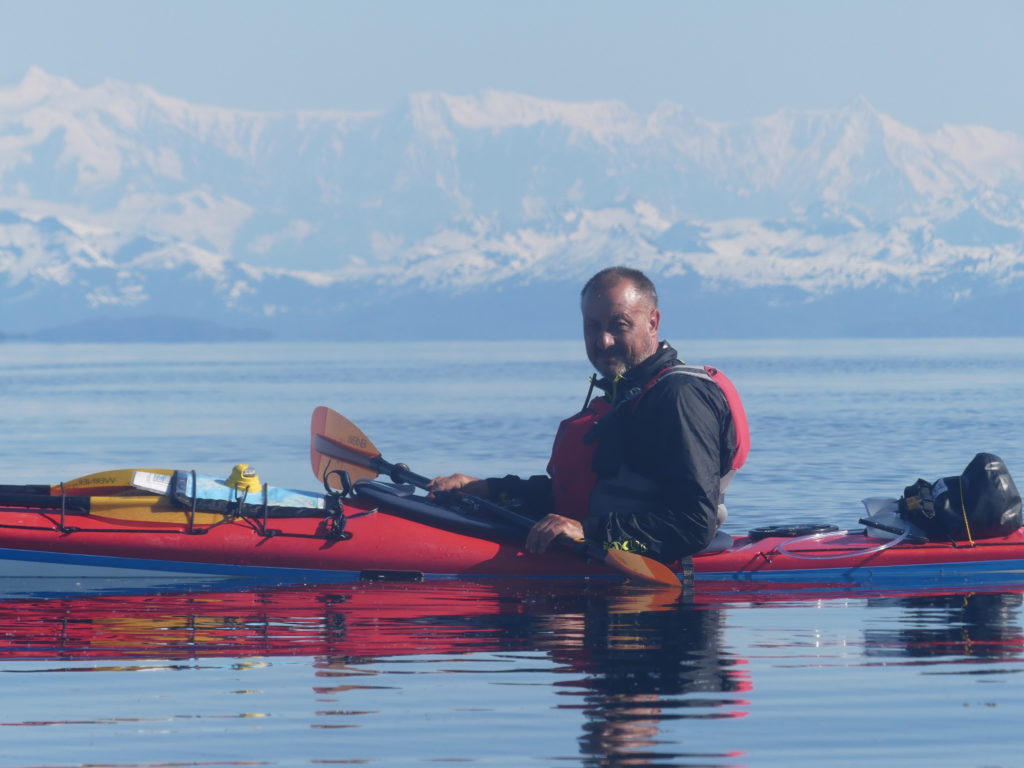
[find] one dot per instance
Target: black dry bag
(982, 503)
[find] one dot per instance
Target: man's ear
(655, 320)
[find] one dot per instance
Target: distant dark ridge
(148, 328)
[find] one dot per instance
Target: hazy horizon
(925, 63)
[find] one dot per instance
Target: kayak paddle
(338, 444)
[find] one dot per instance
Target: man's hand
(464, 483)
(550, 528)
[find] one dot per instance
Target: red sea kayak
(109, 531)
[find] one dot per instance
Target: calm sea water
(506, 672)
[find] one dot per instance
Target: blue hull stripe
(986, 571)
(33, 564)
(21, 563)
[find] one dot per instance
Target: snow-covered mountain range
(128, 214)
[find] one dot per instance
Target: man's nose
(607, 340)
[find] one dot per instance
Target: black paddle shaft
(39, 501)
(400, 473)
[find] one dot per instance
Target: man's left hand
(550, 528)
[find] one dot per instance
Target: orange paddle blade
(640, 568)
(355, 447)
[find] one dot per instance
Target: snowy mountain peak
(497, 110)
(118, 197)
(36, 86)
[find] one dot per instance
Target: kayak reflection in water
(644, 466)
(629, 659)
(974, 625)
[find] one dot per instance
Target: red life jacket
(572, 455)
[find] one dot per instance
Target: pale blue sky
(926, 62)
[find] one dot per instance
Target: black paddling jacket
(665, 450)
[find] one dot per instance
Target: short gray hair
(613, 275)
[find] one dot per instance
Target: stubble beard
(619, 366)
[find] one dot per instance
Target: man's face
(620, 327)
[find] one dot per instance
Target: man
(644, 467)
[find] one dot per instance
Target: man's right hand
(549, 528)
(471, 485)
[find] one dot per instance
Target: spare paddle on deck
(336, 444)
(105, 483)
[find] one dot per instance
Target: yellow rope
(963, 509)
